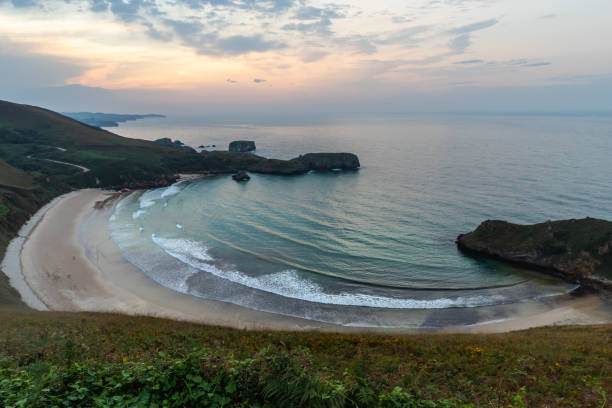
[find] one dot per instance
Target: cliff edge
(577, 250)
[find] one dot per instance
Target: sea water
(365, 247)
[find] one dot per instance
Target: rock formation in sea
(306, 163)
(242, 146)
(578, 250)
(241, 176)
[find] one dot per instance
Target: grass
(551, 366)
(13, 177)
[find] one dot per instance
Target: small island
(579, 250)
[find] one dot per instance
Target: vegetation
(87, 359)
(13, 177)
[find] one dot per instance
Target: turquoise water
(361, 247)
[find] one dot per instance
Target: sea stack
(242, 146)
(241, 176)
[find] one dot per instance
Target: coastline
(84, 270)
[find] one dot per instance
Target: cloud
(408, 37)
(400, 19)
(319, 20)
(460, 43)
(22, 3)
(193, 33)
(523, 62)
(472, 61)
(357, 44)
(241, 44)
(314, 56)
(463, 40)
(21, 70)
(538, 64)
(481, 25)
(547, 16)
(313, 13)
(187, 30)
(155, 33)
(259, 80)
(125, 10)
(462, 83)
(273, 6)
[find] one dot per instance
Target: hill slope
(13, 177)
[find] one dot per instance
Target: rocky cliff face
(303, 164)
(242, 146)
(579, 250)
(330, 161)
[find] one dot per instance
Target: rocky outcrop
(241, 176)
(578, 250)
(330, 161)
(242, 146)
(298, 165)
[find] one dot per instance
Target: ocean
(366, 247)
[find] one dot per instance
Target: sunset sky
(387, 55)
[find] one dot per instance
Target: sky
(307, 55)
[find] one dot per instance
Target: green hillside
(13, 177)
(93, 359)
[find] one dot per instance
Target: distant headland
(99, 119)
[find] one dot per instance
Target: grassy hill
(13, 177)
(88, 359)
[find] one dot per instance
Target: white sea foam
(179, 226)
(150, 198)
(170, 191)
(289, 284)
(138, 213)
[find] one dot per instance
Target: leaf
(231, 388)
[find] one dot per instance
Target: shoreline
(86, 271)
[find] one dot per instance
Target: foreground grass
(84, 359)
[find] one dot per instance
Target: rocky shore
(576, 250)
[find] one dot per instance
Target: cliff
(304, 164)
(578, 250)
(242, 146)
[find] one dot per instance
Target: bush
(201, 378)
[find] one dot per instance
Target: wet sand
(69, 262)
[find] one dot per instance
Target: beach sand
(70, 263)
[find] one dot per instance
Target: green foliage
(13, 177)
(551, 366)
(200, 378)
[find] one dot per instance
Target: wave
(150, 198)
(296, 265)
(170, 191)
(290, 284)
(138, 213)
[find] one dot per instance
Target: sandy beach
(69, 262)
